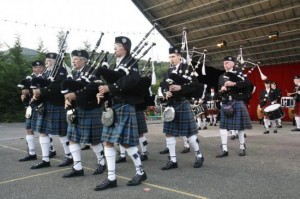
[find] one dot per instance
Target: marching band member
(296, 96)
(268, 97)
(53, 119)
(37, 69)
(277, 93)
(212, 100)
(86, 127)
(201, 117)
(184, 123)
(125, 128)
(233, 92)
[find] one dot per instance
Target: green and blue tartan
(125, 128)
(142, 126)
(184, 123)
(240, 119)
(88, 126)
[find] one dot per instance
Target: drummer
(267, 98)
(277, 93)
(201, 116)
(213, 104)
(296, 95)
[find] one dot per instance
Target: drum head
(272, 107)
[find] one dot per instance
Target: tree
(14, 67)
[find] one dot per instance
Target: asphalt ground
(271, 168)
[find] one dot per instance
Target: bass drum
(259, 112)
(291, 113)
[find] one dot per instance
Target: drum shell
(274, 112)
(287, 102)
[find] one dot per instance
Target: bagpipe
(72, 85)
(187, 76)
(110, 76)
(40, 81)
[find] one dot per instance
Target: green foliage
(14, 67)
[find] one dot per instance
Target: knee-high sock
(297, 119)
(194, 142)
(75, 150)
(65, 143)
(122, 151)
(223, 134)
(45, 142)
(266, 123)
(215, 119)
(30, 143)
(274, 125)
(143, 144)
(199, 121)
(171, 143)
(51, 147)
(204, 121)
(185, 142)
(242, 138)
(133, 153)
(98, 150)
(211, 118)
(110, 154)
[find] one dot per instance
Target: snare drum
(274, 112)
(198, 110)
(287, 102)
(211, 105)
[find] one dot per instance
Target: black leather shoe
(275, 131)
(86, 147)
(185, 150)
(144, 157)
(215, 124)
(279, 126)
(165, 151)
(137, 179)
(204, 128)
(74, 173)
(106, 184)
(52, 154)
(233, 137)
(41, 164)
(67, 161)
(242, 152)
(223, 154)
(199, 128)
(198, 162)
(170, 165)
(100, 169)
(210, 124)
(28, 157)
(266, 132)
(121, 159)
(296, 129)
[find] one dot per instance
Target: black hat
(51, 55)
(297, 77)
(125, 41)
(173, 50)
(267, 81)
(228, 58)
(80, 53)
(37, 63)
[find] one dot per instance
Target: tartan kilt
(125, 128)
(39, 125)
(240, 120)
(142, 126)
(184, 123)
(88, 127)
(30, 123)
(297, 108)
(55, 119)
